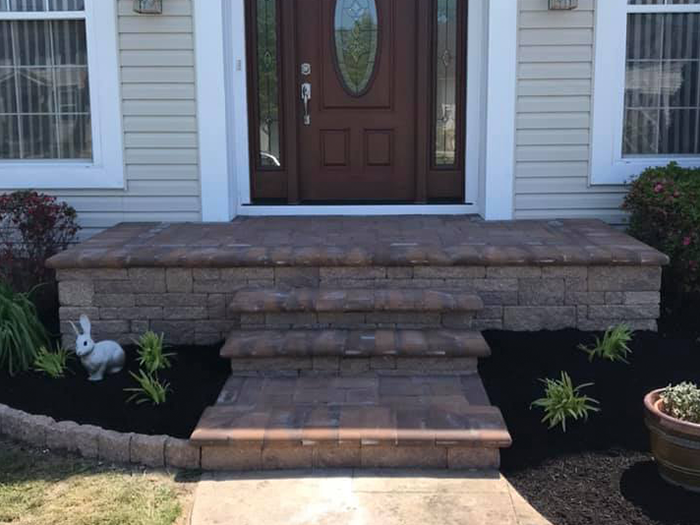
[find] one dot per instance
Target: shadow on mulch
(601, 471)
(196, 377)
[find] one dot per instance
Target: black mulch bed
(197, 376)
(599, 472)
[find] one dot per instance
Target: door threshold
(254, 210)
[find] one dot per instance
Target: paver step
(401, 421)
(355, 343)
(353, 300)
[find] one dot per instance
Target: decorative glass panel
(662, 92)
(445, 109)
(268, 84)
(356, 43)
(44, 90)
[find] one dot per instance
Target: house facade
(215, 109)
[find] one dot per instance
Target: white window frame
(608, 166)
(106, 170)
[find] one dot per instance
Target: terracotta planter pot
(674, 443)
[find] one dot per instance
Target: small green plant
(150, 389)
(563, 401)
(152, 358)
(613, 346)
(682, 402)
(53, 364)
(21, 332)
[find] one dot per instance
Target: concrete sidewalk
(360, 498)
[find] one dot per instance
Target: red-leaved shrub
(664, 204)
(33, 227)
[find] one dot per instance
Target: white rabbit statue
(97, 358)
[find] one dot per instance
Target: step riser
(277, 300)
(335, 366)
(358, 321)
(252, 458)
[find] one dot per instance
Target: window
(59, 104)
(648, 80)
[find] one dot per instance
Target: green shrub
(151, 355)
(563, 401)
(149, 390)
(682, 402)
(21, 332)
(53, 364)
(664, 206)
(613, 346)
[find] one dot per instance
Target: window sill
(623, 171)
(15, 176)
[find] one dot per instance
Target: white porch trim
(501, 78)
(217, 190)
(225, 162)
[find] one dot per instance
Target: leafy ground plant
(563, 401)
(682, 401)
(39, 488)
(52, 363)
(21, 332)
(150, 389)
(614, 345)
(150, 348)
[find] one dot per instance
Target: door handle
(306, 97)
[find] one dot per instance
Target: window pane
(66, 5)
(42, 5)
(26, 5)
(44, 90)
(75, 137)
(9, 137)
(662, 94)
(268, 84)
(445, 109)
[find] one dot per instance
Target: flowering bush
(33, 227)
(665, 212)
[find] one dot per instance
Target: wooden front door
(358, 140)
(357, 101)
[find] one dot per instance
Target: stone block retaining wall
(97, 443)
(190, 304)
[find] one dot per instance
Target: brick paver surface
(359, 241)
(358, 411)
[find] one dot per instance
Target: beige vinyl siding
(159, 120)
(553, 122)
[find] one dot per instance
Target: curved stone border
(97, 443)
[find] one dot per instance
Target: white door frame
(222, 93)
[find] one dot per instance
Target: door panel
(372, 156)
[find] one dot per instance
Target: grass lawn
(38, 488)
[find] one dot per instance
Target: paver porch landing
(354, 341)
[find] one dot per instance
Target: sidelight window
(267, 68)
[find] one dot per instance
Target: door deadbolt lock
(306, 69)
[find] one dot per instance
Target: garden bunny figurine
(97, 358)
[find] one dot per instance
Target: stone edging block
(97, 443)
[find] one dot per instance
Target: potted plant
(672, 416)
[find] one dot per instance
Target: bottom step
(344, 422)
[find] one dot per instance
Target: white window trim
(490, 167)
(106, 170)
(608, 166)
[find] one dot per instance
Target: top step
(353, 300)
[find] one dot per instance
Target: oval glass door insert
(356, 43)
